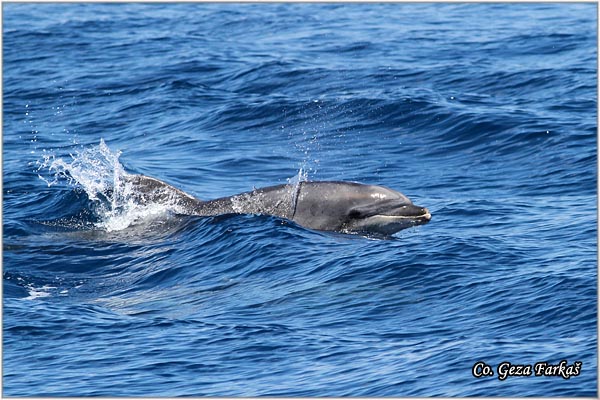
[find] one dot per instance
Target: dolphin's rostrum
(320, 205)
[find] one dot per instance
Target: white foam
(133, 214)
(36, 293)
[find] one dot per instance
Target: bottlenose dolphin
(321, 205)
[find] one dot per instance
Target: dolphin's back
(274, 200)
(315, 205)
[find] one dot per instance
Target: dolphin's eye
(354, 213)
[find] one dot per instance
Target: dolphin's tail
(146, 190)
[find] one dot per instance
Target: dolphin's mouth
(387, 218)
(391, 209)
(394, 222)
(421, 214)
(409, 211)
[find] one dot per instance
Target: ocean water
(484, 113)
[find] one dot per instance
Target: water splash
(301, 176)
(98, 172)
(94, 169)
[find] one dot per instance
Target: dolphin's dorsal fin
(145, 190)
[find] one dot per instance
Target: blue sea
(486, 114)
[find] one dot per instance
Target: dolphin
(339, 206)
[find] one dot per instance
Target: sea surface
(484, 113)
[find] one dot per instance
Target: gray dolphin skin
(320, 205)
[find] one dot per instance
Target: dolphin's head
(381, 210)
(354, 207)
